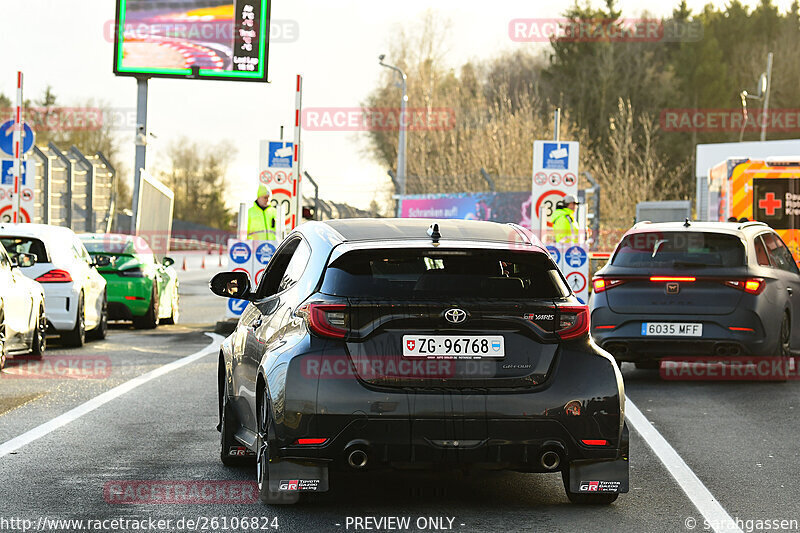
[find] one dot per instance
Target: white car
(74, 292)
(22, 317)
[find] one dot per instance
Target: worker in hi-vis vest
(565, 228)
(262, 216)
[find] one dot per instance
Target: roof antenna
(433, 233)
(686, 223)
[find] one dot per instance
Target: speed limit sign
(546, 204)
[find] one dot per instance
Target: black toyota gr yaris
(409, 343)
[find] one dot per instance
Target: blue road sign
(575, 256)
(240, 253)
(237, 306)
(281, 155)
(264, 253)
(555, 156)
(8, 172)
(7, 138)
(554, 253)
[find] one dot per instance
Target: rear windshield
(117, 246)
(679, 249)
(430, 274)
(25, 245)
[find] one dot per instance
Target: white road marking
(716, 517)
(60, 421)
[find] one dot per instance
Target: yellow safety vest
(261, 223)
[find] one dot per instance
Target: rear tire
(77, 336)
(150, 319)
(99, 333)
(582, 498)
(39, 340)
(784, 352)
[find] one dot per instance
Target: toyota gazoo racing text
(409, 343)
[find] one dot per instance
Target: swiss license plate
(672, 329)
(461, 346)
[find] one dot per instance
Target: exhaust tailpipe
(357, 459)
(550, 460)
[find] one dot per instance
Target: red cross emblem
(770, 204)
(411, 344)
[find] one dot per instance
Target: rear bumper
(430, 429)
(626, 342)
(60, 305)
(120, 290)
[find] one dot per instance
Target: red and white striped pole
(298, 153)
(18, 125)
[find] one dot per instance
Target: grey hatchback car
(697, 289)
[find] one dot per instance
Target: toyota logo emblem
(455, 316)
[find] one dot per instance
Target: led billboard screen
(198, 39)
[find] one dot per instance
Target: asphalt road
(738, 438)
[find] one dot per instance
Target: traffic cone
(184, 262)
(220, 257)
(203, 264)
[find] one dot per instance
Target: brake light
(573, 321)
(327, 320)
(605, 327)
(673, 278)
(603, 284)
(134, 298)
(751, 286)
(748, 330)
(595, 442)
(311, 441)
(55, 276)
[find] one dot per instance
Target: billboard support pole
(141, 144)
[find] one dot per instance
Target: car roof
(50, 234)
(731, 228)
(381, 229)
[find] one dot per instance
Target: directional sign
(264, 252)
(7, 138)
(239, 253)
(8, 172)
(555, 254)
(237, 307)
(575, 257)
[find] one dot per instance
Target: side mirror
(24, 260)
(168, 261)
(232, 285)
(101, 261)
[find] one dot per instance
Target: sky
(64, 43)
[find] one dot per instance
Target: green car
(139, 287)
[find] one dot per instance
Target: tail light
(55, 276)
(685, 279)
(326, 320)
(573, 321)
(603, 284)
(595, 442)
(751, 286)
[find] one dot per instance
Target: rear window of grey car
(689, 249)
(432, 274)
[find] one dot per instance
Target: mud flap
(294, 476)
(601, 476)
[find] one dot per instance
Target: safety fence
(73, 190)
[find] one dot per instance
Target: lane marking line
(73, 414)
(716, 517)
